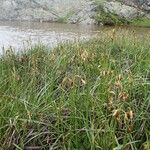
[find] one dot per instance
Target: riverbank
(141, 22)
(82, 95)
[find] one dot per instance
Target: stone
(74, 11)
(122, 10)
(69, 11)
(85, 15)
(142, 4)
(146, 6)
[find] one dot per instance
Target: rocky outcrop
(73, 11)
(141, 4)
(69, 11)
(122, 10)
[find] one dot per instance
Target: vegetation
(110, 19)
(144, 22)
(113, 19)
(107, 18)
(91, 95)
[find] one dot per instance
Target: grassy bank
(113, 20)
(84, 96)
(141, 22)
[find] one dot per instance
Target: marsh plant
(82, 95)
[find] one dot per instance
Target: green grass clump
(107, 18)
(145, 22)
(110, 19)
(91, 95)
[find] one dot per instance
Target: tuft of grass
(87, 95)
(144, 22)
(110, 19)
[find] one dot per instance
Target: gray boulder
(74, 11)
(122, 10)
(142, 4)
(146, 6)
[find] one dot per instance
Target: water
(21, 35)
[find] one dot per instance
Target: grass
(91, 95)
(142, 22)
(110, 19)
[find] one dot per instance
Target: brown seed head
(123, 95)
(119, 78)
(84, 55)
(112, 93)
(116, 113)
(118, 85)
(129, 115)
(130, 128)
(67, 83)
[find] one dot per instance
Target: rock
(142, 4)
(85, 15)
(146, 6)
(122, 10)
(74, 11)
(70, 11)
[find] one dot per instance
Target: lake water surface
(20, 35)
